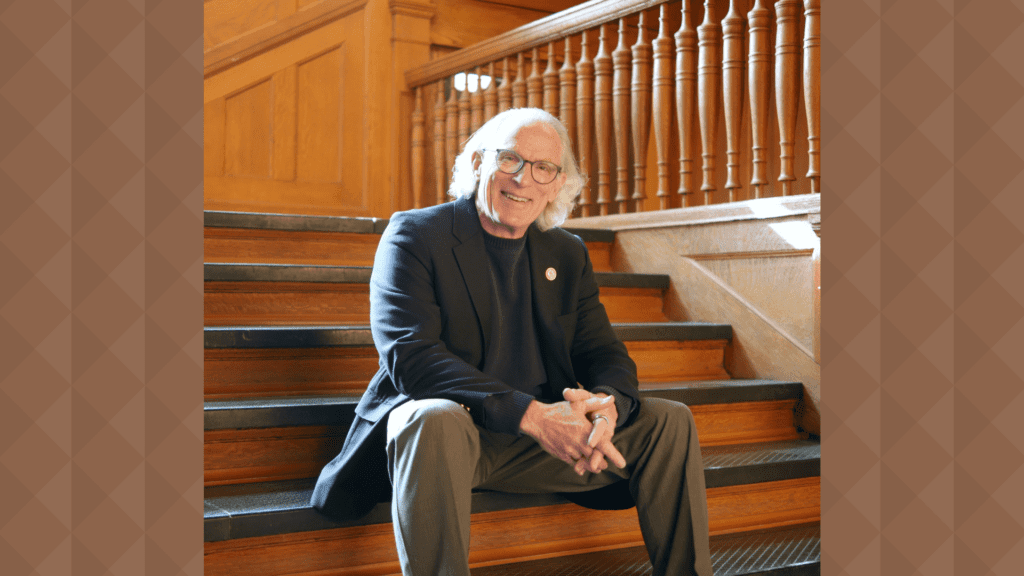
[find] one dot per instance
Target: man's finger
(575, 394)
(595, 403)
(600, 428)
(612, 453)
(596, 459)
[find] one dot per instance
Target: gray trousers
(437, 455)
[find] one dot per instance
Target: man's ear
(477, 160)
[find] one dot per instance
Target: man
(486, 316)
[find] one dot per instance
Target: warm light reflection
(476, 82)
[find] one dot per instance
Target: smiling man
(499, 369)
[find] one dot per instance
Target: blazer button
(550, 274)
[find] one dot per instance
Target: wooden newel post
(787, 77)
(603, 119)
(585, 123)
(686, 101)
(758, 71)
(662, 105)
(641, 99)
(709, 78)
(732, 88)
(551, 83)
(812, 90)
(620, 105)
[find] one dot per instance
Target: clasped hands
(577, 431)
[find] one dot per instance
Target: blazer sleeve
(407, 323)
(600, 360)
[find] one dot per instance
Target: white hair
(500, 132)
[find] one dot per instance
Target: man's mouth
(513, 197)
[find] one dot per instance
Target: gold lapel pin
(550, 274)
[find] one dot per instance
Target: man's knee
(432, 421)
(667, 416)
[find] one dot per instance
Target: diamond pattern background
(922, 287)
(101, 245)
(100, 309)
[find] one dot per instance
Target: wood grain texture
(285, 303)
(258, 373)
(499, 537)
(669, 360)
(288, 247)
(268, 454)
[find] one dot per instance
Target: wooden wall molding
(412, 8)
(246, 46)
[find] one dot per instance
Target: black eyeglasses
(543, 172)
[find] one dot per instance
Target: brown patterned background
(101, 314)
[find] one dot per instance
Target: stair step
(276, 294)
(359, 335)
(792, 551)
(294, 360)
(270, 439)
(268, 508)
(299, 239)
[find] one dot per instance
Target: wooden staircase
(288, 352)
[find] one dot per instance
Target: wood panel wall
(306, 109)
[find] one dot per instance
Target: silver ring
(603, 417)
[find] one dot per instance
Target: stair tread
(337, 409)
(351, 224)
(260, 272)
(359, 335)
(791, 551)
(266, 508)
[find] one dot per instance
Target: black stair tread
(359, 335)
(246, 272)
(263, 509)
(337, 409)
(293, 222)
(303, 222)
(790, 551)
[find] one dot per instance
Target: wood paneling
(285, 303)
(319, 103)
(223, 21)
(667, 361)
(247, 132)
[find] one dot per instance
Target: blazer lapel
(547, 307)
(473, 263)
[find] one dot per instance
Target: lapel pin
(550, 274)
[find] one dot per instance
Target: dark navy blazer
(430, 313)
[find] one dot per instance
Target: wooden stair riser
(242, 372)
(286, 453)
(505, 536)
(328, 248)
(324, 304)
(288, 247)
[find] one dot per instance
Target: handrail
(538, 33)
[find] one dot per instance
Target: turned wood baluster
(491, 95)
(758, 69)
(709, 78)
(732, 87)
(519, 86)
(621, 58)
(418, 150)
(551, 83)
(477, 102)
(464, 115)
(567, 92)
(451, 130)
(535, 84)
(812, 90)
(603, 119)
(585, 123)
(662, 104)
(686, 102)
(640, 91)
(505, 91)
(787, 53)
(440, 167)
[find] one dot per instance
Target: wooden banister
(609, 100)
(554, 27)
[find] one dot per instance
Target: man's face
(509, 203)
